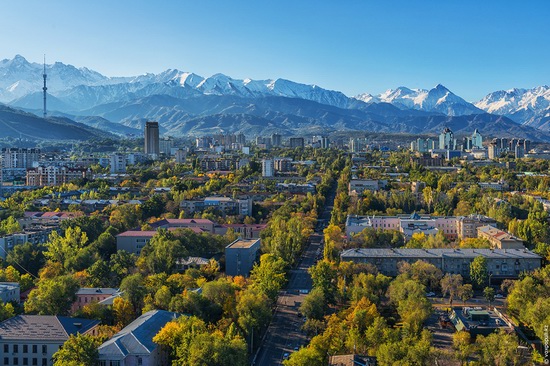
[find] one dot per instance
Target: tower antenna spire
(45, 88)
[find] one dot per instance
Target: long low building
(501, 263)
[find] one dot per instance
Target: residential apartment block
(501, 263)
(240, 257)
(55, 175)
(453, 227)
(33, 339)
(226, 205)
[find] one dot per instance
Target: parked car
(430, 294)
(499, 296)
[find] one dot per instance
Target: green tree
(314, 304)
(478, 272)
(489, 294)
(269, 276)
(69, 249)
(9, 226)
(253, 311)
(134, 290)
(78, 350)
(26, 257)
(53, 296)
(307, 356)
(323, 276)
(498, 349)
(190, 342)
(465, 292)
(462, 346)
(161, 252)
(450, 284)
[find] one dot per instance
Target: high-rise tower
(152, 138)
(45, 88)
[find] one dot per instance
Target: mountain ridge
(176, 98)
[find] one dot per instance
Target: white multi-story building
(117, 163)
(267, 168)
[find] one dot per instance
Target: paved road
(284, 334)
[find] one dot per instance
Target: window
(35, 361)
(16, 361)
(25, 361)
(15, 348)
(6, 349)
(34, 348)
(140, 361)
(25, 348)
(6, 361)
(44, 348)
(44, 362)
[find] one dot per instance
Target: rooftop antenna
(45, 88)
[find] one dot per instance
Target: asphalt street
(284, 334)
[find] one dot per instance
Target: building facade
(240, 257)
(226, 205)
(501, 263)
(498, 238)
(33, 339)
(453, 227)
(152, 146)
(267, 168)
(87, 295)
(117, 163)
(55, 175)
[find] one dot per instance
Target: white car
(430, 294)
(499, 296)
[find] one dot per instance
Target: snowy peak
(525, 106)
(367, 98)
(438, 99)
(513, 100)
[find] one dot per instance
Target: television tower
(44, 88)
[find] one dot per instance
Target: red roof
(151, 233)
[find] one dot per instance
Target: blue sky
(355, 46)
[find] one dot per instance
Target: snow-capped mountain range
(530, 107)
(176, 97)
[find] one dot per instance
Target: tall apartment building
(240, 257)
(282, 164)
(19, 158)
(165, 145)
(267, 168)
(152, 138)
(276, 140)
(55, 175)
(117, 163)
(296, 142)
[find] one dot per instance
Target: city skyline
(471, 48)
